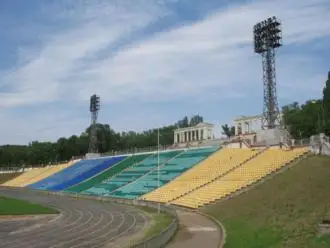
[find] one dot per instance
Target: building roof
(201, 124)
(245, 118)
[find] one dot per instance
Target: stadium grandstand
(195, 176)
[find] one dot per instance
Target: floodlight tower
(267, 38)
(94, 109)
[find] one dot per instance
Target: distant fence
(161, 148)
(156, 241)
(299, 142)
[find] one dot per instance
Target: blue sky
(151, 61)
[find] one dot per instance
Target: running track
(81, 223)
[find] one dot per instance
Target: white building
(250, 129)
(251, 124)
(200, 132)
(248, 124)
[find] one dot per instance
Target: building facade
(251, 124)
(248, 124)
(200, 132)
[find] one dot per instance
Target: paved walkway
(195, 231)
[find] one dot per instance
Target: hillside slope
(282, 212)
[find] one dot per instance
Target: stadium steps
(224, 174)
(150, 171)
(253, 171)
(262, 180)
(107, 174)
(214, 166)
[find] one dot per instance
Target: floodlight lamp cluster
(94, 103)
(267, 35)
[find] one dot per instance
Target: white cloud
(196, 61)
(43, 77)
(215, 52)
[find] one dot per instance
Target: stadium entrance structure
(192, 136)
(251, 130)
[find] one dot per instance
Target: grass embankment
(282, 212)
(9, 206)
(160, 221)
(8, 176)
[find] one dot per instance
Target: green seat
(130, 161)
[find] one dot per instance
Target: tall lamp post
(158, 175)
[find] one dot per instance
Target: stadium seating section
(50, 171)
(113, 170)
(190, 177)
(167, 172)
(211, 168)
(243, 176)
(5, 177)
(76, 173)
(131, 174)
(35, 175)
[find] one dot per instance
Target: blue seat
(75, 174)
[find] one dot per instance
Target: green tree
(195, 120)
(183, 123)
(36, 153)
(304, 120)
(326, 105)
(227, 130)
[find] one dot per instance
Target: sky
(152, 62)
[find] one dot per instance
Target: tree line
(36, 153)
(301, 120)
(309, 118)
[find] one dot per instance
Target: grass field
(9, 206)
(282, 212)
(8, 176)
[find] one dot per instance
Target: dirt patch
(324, 229)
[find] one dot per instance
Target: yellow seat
(216, 165)
(243, 176)
(36, 174)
